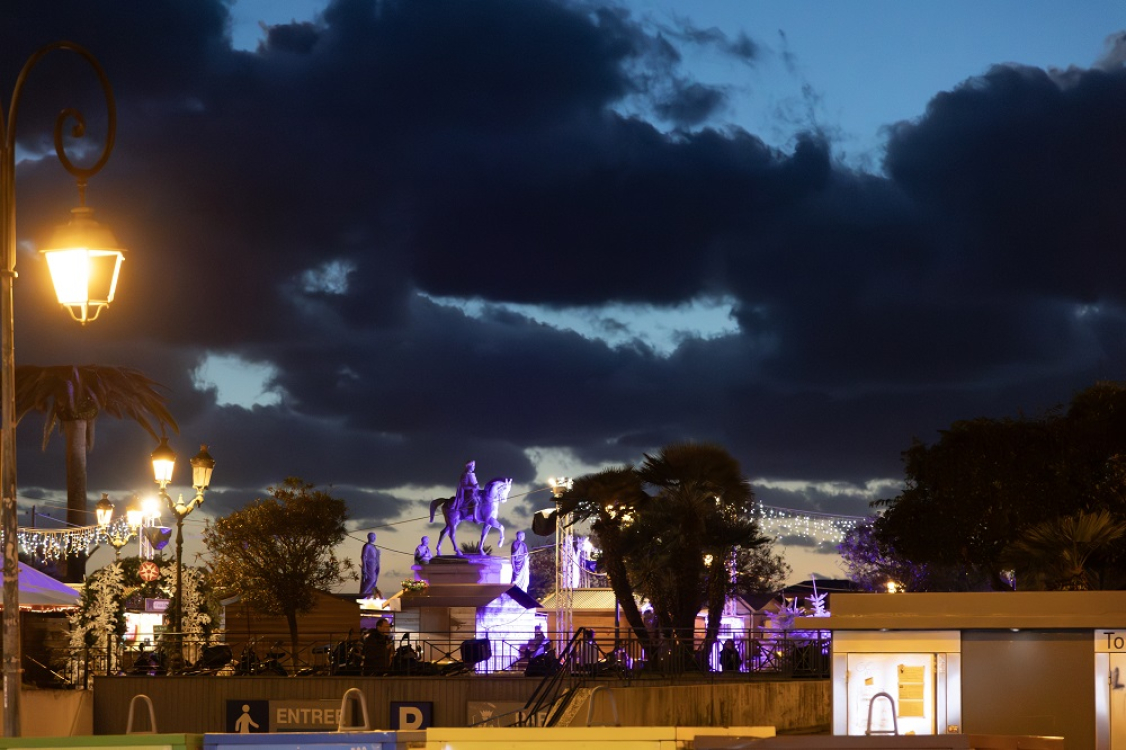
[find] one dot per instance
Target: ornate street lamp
(118, 535)
(80, 309)
(163, 464)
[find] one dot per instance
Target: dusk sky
(371, 240)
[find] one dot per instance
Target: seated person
(729, 658)
(535, 646)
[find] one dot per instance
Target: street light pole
(163, 463)
(84, 254)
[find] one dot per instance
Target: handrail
(152, 715)
(340, 727)
(894, 721)
(613, 705)
(547, 692)
(785, 653)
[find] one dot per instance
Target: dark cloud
(290, 205)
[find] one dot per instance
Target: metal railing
(580, 654)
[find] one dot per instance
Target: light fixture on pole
(10, 684)
(118, 535)
(564, 559)
(163, 465)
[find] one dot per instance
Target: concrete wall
(198, 704)
(793, 706)
(56, 713)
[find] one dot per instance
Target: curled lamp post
(163, 464)
(58, 256)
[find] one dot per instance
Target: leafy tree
(760, 570)
(666, 531)
(971, 494)
(541, 572)
(871, 563)
(277, 552)
(72, 397)
(1054, 554)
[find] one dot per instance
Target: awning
(40, 590)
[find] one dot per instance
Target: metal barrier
(766, 653)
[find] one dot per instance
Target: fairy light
(822, 528)
(56, 544)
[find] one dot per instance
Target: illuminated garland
(56, 544)
(820, 527)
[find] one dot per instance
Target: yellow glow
(152, 507)
(85, 279)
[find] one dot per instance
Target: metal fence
(767, 653)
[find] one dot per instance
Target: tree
(872, 563)
(760, 570)
(701, 513)
(667, 531)
(73, 397)
(611, 501)
(277, 552)
(1054, 554)
(541, 572)
(971, 494)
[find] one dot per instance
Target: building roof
(980, 610)
(586, 599)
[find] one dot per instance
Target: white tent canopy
(41, 590)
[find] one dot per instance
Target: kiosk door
(1117, 703)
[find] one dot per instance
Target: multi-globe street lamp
(83, 255)
(119, 534)
(163, 464)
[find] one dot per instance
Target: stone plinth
(466, 569)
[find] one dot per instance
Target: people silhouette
(244, 723)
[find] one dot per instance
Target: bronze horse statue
(481, 506)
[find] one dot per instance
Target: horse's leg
(500, 528)
(453, 537)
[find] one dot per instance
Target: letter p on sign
(411, 714)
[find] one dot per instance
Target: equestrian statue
(472, 503)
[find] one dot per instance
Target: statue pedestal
(466, 569)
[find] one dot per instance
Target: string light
(56, 544)
(821, 528)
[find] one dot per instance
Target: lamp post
(564, 559)
(118, 535)
(163, 464)
(91, 257)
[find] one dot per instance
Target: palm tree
(72, 397)
(611, 500)
(699, 516)
(1054, 554)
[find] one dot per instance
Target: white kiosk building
(1004, 663)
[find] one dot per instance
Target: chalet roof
(586, 599)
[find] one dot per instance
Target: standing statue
(422, 553)
(520, 569)
(471, 502)
(369, 568)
